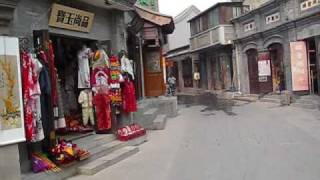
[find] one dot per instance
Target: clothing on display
(129, 97)
(31, 69)
(85, 99)
(126, 66)
(99, 77)
(83, 68)
(103, 111)
(70, 87)
(53, 75)
(61, 121)
(100, 59)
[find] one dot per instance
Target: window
(214, 18)
(205, 22)
(249, 26)
(307, 4)
(236, 11)
(273, 18)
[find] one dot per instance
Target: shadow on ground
(211, 103)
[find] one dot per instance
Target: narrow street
(248, 141)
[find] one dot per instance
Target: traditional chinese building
(211, 46)
(148, 31)
(178, 56)
(67, 24)
(277, 47)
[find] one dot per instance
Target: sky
(174, 7)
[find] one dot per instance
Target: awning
(164, 21)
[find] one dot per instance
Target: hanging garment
(53, 74)
(126, 66)
(103, 111)
(84, 69)
(61, 122)
(27, 84)
(100, 59)
(129, 97)
(46, 105)
(100, 77)
(85, 99)
(31, 69)
(87, 114)
(70, 99)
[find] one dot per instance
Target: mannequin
(83, 67)
(126, 66)
(85, 99)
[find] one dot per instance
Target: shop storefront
(76, 77)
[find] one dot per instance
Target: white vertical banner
(11, 105)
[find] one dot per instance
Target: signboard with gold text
(70, 18)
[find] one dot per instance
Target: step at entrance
(160, 122)
(107, 161)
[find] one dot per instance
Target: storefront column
(317, 40)
(287, 65)
(203, 72)
(180, 76)
(209, 73)
(10, 163)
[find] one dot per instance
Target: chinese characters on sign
(264, 66)
(71, 18)
(299, 66)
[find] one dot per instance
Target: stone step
(245, 98)
(271, 100)
(94, 140)
(150, 111)
(160, 122)
(305, 105)
(98, 146)
(107, 161)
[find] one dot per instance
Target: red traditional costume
(129, 97)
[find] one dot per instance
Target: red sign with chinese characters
(299, 66)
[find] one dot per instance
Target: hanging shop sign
(70, 18)
(264, 64)
(299, 66)
(11, 114)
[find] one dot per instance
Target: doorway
(252, 56)
(187, 73)
(313, 71)
(277, 67)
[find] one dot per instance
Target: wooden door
(153, 73)
(253, 71)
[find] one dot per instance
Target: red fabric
(99, 76)
(129, 97)
(53, 75)
(27, 86)
(103, 111)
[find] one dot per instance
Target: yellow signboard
(70, 18)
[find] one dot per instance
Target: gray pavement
(255, 141)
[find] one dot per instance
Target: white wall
(254, 3)
(180, 36)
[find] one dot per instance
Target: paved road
(256, 141)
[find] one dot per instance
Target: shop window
(249, 26)
(307, 4)
(273, 18)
